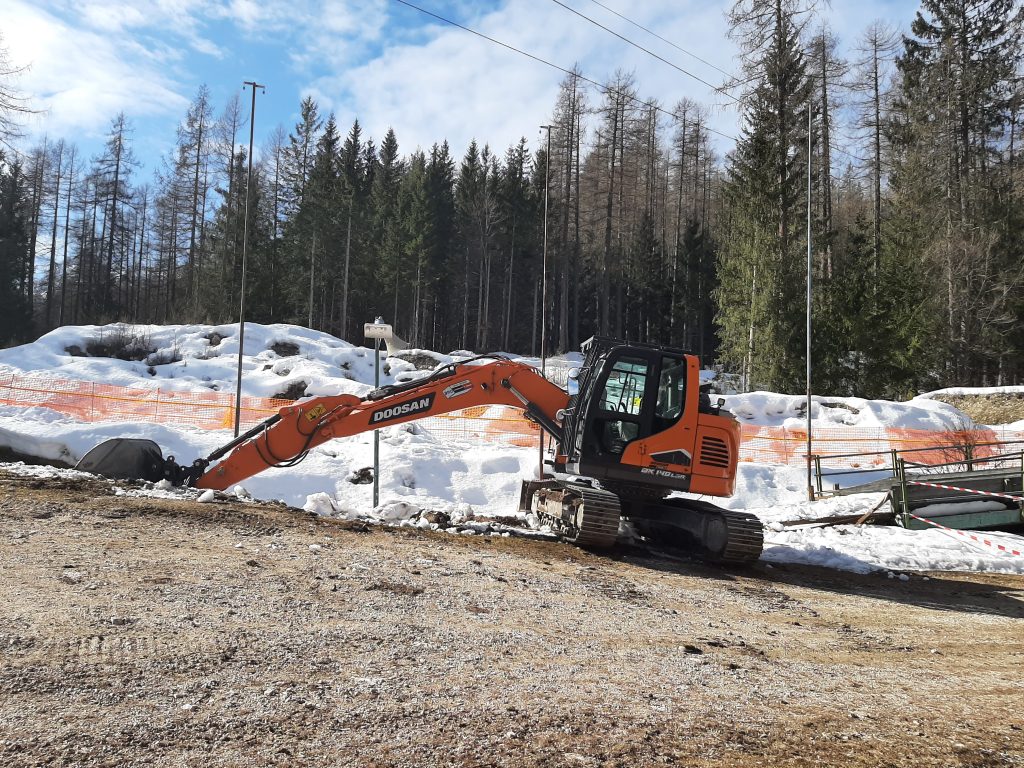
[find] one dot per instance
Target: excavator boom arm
(284, 439)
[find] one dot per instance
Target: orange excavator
(637, 428)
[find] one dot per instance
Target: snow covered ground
(771, 409)
(424, 473)
(966, 391)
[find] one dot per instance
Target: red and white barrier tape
(971, 536)
(1018, 499)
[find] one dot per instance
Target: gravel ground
(141, 631)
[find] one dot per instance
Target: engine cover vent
(714, 452)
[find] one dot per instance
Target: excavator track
(714, 534)
(598, 520)
(744, 538)
(581, 515)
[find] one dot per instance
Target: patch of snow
(770, 409)
(870, 548)
(969, 391)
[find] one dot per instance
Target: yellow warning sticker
(315, 412)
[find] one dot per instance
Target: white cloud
(432, 81)
(111, 17)
(377, 60)
(81, 78)
(442, 82)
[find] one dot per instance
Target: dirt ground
(141, 631)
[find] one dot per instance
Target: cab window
(671, 392)
(624, 388)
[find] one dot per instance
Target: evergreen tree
(320, 220)
(761, 264)
(392, 266)
(950, 122)
(518, 235)
(15, 314)
(193, 158)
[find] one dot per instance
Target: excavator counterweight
(637, 429)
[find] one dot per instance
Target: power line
(601, 86)
(737, 82)
(647, 51)
(669, 42)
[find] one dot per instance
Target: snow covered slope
(195, 358)
(420, 471)
(774, 410)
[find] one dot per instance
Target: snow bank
(972, 391)
(870, 548)
(771, 409)
(198, 357)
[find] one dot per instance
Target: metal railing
(1011, 462)
(895, 461)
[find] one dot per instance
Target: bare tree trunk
(604, 287)
(29, 270)
(192, 254)
(52, 275)
(479, 303)
(67, 232)
(511, 285)
(343, 332)
(415, 340)
(563, 293)
(574, 334)
(623, 268)
(108, 275)
(142, 258)
(826, 161)
(678, 239)
(876, 171)
(748, 364)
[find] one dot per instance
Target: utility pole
(544, 290)
(245, 247)
(810, 484)
(312, 265)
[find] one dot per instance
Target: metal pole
(376, 433)
(544, 291)
(312, 264)
(245, 246)
(810, 485)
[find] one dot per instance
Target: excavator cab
(639, 420)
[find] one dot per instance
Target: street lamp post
(544, 291)
(245, 247)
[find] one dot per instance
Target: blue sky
(377, 60)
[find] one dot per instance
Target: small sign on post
(378, 331)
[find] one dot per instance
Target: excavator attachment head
(125, 458)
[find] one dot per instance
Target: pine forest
(658, 228)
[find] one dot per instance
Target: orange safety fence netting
(781, 445)
(89, 401)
